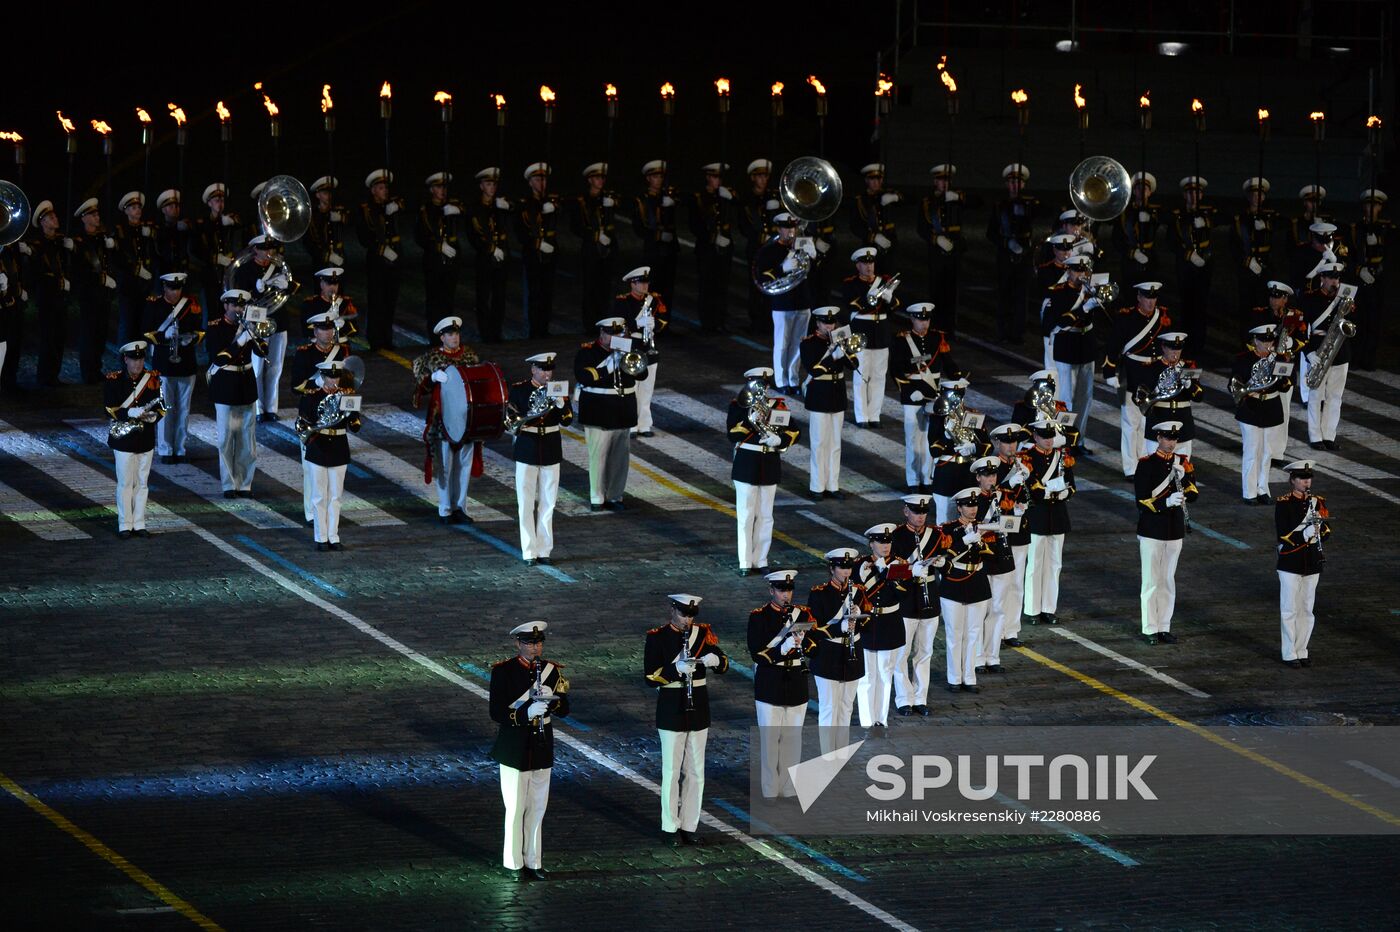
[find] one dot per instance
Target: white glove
(668, 201)
(440, 376)
(1015, 247)
(1309, 533)
(710, 661)
(1092, 304)
(822, 245)
(725, 193)
(919, 571)
(547, 207)
(1014, 479)
(604, 239)
(502, 204)
(559, 402)
(1312, 360)
(791, 644)
(916, 395)
(971, 536)
(171, 332)
(1111, 381)
(547, 247)
(1199, 223)
(498, 254)
(391, 208)
(889, 198)
(4, 281)
(68, 243)
(279, 281)
(1140, 257)
(966, 449)
(789, 263)
(1175, 500)
(244, 337)
(1018, 509)
(839, 352)
(135, 413)
(610, 363)
(109, 242)
(24, 249)
(537, 709)
(1254, 265)
(1180, 470)
(667, 236)
(226, 220)
(450, 210)
(883, 241)
(337, 217)
(1196, 259)
(880, 564)
(609, 202)
(1366, 276)
(721, 241)
(807, 245)
(944, 243)
(685, 668)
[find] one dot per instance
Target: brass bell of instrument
(1100, 187)
(810, 189)
(15, 213)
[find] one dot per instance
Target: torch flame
(722, 87)
(777, 89)
(821, 88)
(883, 85)
(610, 90)
(1144, 102)
(668, 91)
(942, 62)
(1373, 122)
(11, 137)
(142, 115)
(177, 113)
(1263, 114)
(442, 97)
(222, 111)
(1079, 101)
(257, 85)
(947, 77)
(1317, 116)
(271, 107)
(63, 121)
(547, 94)
(101, 126)
(1196, 105)
(1019, 97)
(386, 91)
(500, 101)
(326, 102)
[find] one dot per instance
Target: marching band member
(711, 219)
(136, 262)
(537, 228)
(490, 219)
(132, 397)
(870, 214)
(47, 280)
(1009, 229)
(259, 278)
(94, 253)
(870, 301)
(1253, 243)
(841, 613)
(1068, 319)
(12, 300)
(918, 357)
(827, 366)
(331, 300)
(527, 691)
(1039, 401)
(323, 345)
(450, 463)
(327, 452)
(1191, 227)
(1049, 487)
(1130, 357)
(1166, 403)
(882, 576)
(172, 322)
(1135, 232)
(214, 244)
(234, 392)
(325, 237)
(1369, 237)
(437, 233)
(1012, 474)
(593, 222)
(792, 309)
(607, 409)
(654, 222)
(1164, 483)
(537, 452)
(1291, 328)
(1309, 233)
(377, 226)
(1325, 401)
(1257, 409)
(1300, 520)
(758, 464)
(677, 658)
(954, 443)
(940, 227)
(1312, 255)
(780, 682)
(965, 593)
(999, 564)
(916, 540)
(645, 315)
(755, 213)
(172, 235)
(1049, 274)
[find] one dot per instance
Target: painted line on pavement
(1092, 844)
(503, 547)
(286, 564)
(828, 862)
(1380, 775)
(1126, 661)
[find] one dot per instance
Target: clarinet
(1314, 518)
(689, 677)
(847, 622)
(1176, 487)
(538, 666)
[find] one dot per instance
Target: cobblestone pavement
(277, 738)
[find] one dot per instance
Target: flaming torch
(145, 119)
(722, 100)
(610, 96)
(1373, 144)
(500, 101)
(1144, 124)
(1081, 112)
(1263, 138)
(1022, 100)
(946, 77)
(274, 128)
(444, 101)
(883, 87)
(820, 88)
(178, 115)
(386, 113)
(775, 94)
(72, 147)
(328, 118)
(1198, 113)
(105, 132)
(18, 140)
(548, 98)
(668, 110)
(1319, 124)
(225, 133)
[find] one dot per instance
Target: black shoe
(1150, 638)
(994, 668)
(142, 533)
(1049, 618)
(514, 876)
(1011, 642)
(744, 571)
(459, 517)
(952, 687)
(310, 522)
(337, 545)
(689, 838)
(647, 433)
(1295, 664)
(531, 561)
(979, 670)
(124, 535)
(922, 710)
(815, 496)
(264, 418)
(322, 546)
(542, 561)
(970, 688)
(1030, 619)
(245, 493)
(1318, 445)
(1166, 637)
(905, 710)
(615, 506)
(230, 493)
(1264, 500)
(1305, 661)
(594, 507)
(838, 495)
(671, 838)
(167, 460)
(1331, 444)
(535, 873)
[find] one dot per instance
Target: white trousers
(646, 387)
(1158, 597)
(452, 476)
(873, 689)
(1074, 385)
(307, 484)
(912, 661)
(1015, 593)
(268, 371)
(753, 506)
(327, 486)
(1131, 425)
(779, 746)
(835, 701)
(825, 430)
(1254, 461)
(175, 391)
(870, 384)
(1295, 596)
(1004, 606)
(1300, 380)
(526, 795)
(1325, 404)
(1044, 557)
(918, 458)
(962, 635)
(1049, 356)
(133, 469)
(682, 778)
(789, 327)
(1278, 436)
(238, 446)
(609, 456)
(536, 491)
(941, 504)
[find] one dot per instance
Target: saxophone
(1337, 332)
(152, 411)
(539, 405)
(1170, 382)
(1261, 377)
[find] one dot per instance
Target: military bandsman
(1010, 230)
(756, 211)
(940, 227)
(1068, 319)
(781, 689)
(1301, 523)
(916, 541)
(1369, 238)
(886, 579)
(47, 280)
(1191, 229)
(266, 277)
(449, 463)
(1012, 476)
(962, 554)
(331, 301)
(998, 505)
(537, 451)
(607, 409)
(325, 237)
(870, 210)
(490, 221)
(645, 314)
(918, 357)
(1322, 308)
(1135, 232)
(322, 425)
(711, 224)
(759, 443)
(537, 229)
(1050, 484)
(377, 226)
(1252, 240)
(438, 233)
(776, 260)
(833, 647)
(654, 222)
(1129, 364)
(323, 345)
(828, 366)
(871, 304)
(214, 244)
(1172, 387)
(1257, 388)
(234, 392)
(1164, 484)
(132, 397)
(94, 257)
(172, 235)
(594, 221)
(172, 322)
(955, 440)
(136, 263)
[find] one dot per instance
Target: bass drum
(474, 402)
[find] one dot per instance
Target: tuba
(284, 213)
(811, 191)
(1100, 187)
(14, 213)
